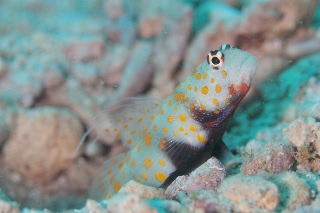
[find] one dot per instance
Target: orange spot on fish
(148, 139)
(121, 165)
(201, 138)
(162, 144)
(144, 176)
(205, 90)
(155, 127)
(232, 90)
(205, 76)
(117, 186)
(147, 162)
(218, 88)
(162, 163)
(160, 176)
(170, 118)
(191, 106)
(243, 88)
(224, 73)
(193, 128)
(176, 133)
(165, 130)
(176, 96)
(183, 117)
(215, 102)
(195, 88)
(182, 96)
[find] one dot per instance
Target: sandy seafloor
(63, 62)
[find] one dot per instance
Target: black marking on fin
(222, 152)
(189, 158)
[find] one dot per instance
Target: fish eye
(226, 47)
(215, 59)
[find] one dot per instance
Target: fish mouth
(239, 90)
(247, 71)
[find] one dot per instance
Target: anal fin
(113, 174)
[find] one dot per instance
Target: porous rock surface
(42, 142)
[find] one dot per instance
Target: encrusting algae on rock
(172, 137)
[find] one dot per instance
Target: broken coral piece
(304, 135)
(295, 188)
(250, 193)
(51, 133)
(146, 192)
(275, 157)
(207, 176)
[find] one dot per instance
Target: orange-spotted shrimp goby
(172, 137)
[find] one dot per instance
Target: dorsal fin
(127, 122)
(133, 119)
